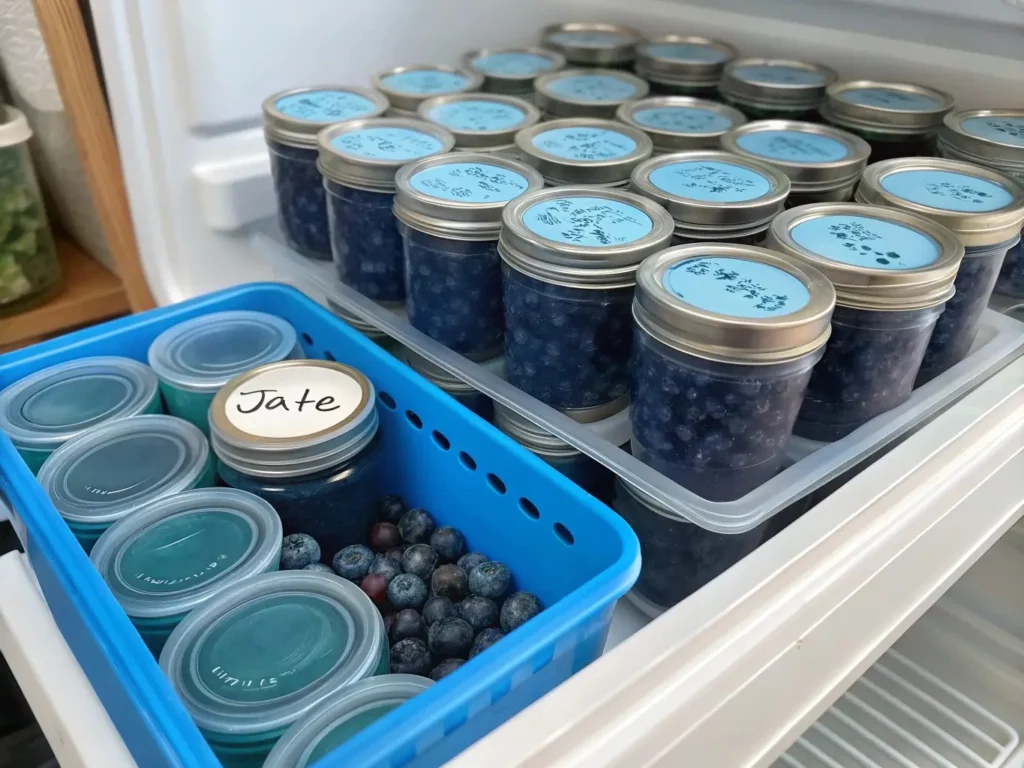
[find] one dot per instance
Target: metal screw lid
(894, 108)
(512, 70)
(583, 150)
(444, 380)
(407, 87)
(877, 258)
(685, 60)
(614, 428)
(780, 83)
(480, 120)
(587, 92)
(592, 44)
(294, 117)
(991, 137)
(677, 123)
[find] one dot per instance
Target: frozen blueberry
(419, 559)
(353, 562)
(301, 207)
(437, 608)
(449, 544)
(298, 550)
(479, 612)
(321, 567)
(1011, 277)
(407, 591)
(411, 657)
(376, 587)
(416, 526)
(485, 640)
(389, 622)
(471, 561)
(445, 668)
(386, 567)
(519, 609)
(407, 623)
(391, 509)
(490, 580)
(396, 553)
(450, 581)
(450, 638)
(384, 536)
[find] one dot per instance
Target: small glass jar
(587, 92)
(512, 70)
(569, 259)
(776, 89)
(896, 119)
(179, 552)
(43, 411)
(291, 121)
(599, 153)
(725, 338)
(359, 161)
(197, 357)
(713, 196)
(449, 213)
(111, 471)
(269, 652)
(680, 123)
(481, 123)
(984, 209)
(823, 163)
(592, 44)
(302, 434)
(687, 65)
(893, 273)
(464, 393)
(408, 87)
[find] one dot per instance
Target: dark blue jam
(1011, 278)
(453, 292)
(592, 477)
(717, 429)
(301, 208)
(568, 347)
(869, 367)
(365, 242)
(477, 402)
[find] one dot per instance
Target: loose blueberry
(479, 612)
(321, 567)
(420, 560)
(391, 509)
(471, 561)
(450, 581)
(411, 657)
(416, 526)
(389, 622)
(353, 562)
(449, 544)
(450, 638)
(407, 591)
(386, 567)
(376, 586)
(298, 550)
(485, 640)
(490, 580)
(407, 623)
(519, 609)
(384, 536)
(437, 608)
(445, 668)
(395, 553)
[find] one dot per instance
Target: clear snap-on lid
(877, 258)
(50, 407)
(587, 92)
(341, 717)
(615, 429)
(586, 237)
(993, 137)
(512, 70)
(115, 468)
(711, 193)
(776, 83)
(367, 154)
(257, 657)
(894, 108)
(592, 44)
(677, 123)
(980, 206)
(815, 157)
(205, 353)
(293, 418)
(683, 60)
(297, 115)
(584, 151)
(480, 120)
(461, 195)
(733, 303)
(407, 87)
(179, 551)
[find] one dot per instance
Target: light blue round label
(705, 54)
(381, 143)
(890, 98)
(470, 183)
(793, 145)
(426, 82)
(589, 38)
(682, 119)
(591, 144)
(947, 191)
(478, 115)
(594, 222)
(1005, 130)
(779, 74)
(863, 241)
(513, 63)
(710, 181)
(736, 287)
(592, 88)
(325, 106)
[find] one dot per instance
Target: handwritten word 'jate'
(269, 402)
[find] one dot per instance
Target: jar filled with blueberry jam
(481, 122)
(776, 89)
(359, 161)
(687, 65)
(713, 195)
(449, 213)
(291, 121)
(584, 151)
(408, 87)
(984, 209)
(512, 70)
(464, 393)
(592, 44)
(680, 123)
(725, 339)
(586, 92)
(896, 119)
(569, 258)
(893, 273)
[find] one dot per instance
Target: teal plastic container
(179, 552)
(43, 411)
(268, 652)
(111, 471)
(196, 358)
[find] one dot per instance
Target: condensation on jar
(686, 65)
(776, 89)
(481, 122)
(408, 87)
(592, 44)
(680, 123)
(512, 70)
(464, 393)
(586, 92)
(601, 153)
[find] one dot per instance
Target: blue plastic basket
(574, 553)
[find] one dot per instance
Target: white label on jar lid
(947, 191)
(864, 241)
(387, 143)
(710, 181)
(477, 115)
(592, 88)
(426, 82)
(589, 38)
(736, 287)
(682, 119)
(703, 53)
(324, 106)
(584, 143)
(779, 74)
(470, 183)
(1001, 129)
(589, 221)
(793, 145)
(513, 63)
(890, 98)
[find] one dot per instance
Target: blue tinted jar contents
(179, 552)
(109, 472)
(768, 89)
(449, 213)
(893, 273)
(43, 411)
(302, 434)
(896, 119)
(680, 123)
(512, 70)
(269, 652)
(477, 402)
(592, 44)
(823, 163)
(725, 338)
(291, 121)
(569, 265)
(688, 65)
(984, 209)
(481, 122)
(712, 195)
(197, 357)
(583, 151)
(586, 92)
(359, 161)
(408, 87)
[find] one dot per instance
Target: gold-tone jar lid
(512, 70)
(294, 117)
(592, 44)
(407, 87)
(480, 120)
(990, 137)
(678, 123)
(587, 92)
(770, 83)
(583, 150)
(686, 60)
(891, 108)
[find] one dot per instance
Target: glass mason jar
(984, 209)
(775, 89)
(592, 44)
(724, 341)
(586, 92)
(359, 161)
(29, 270)
(302, 434)
(512, 70)
(823, 163)
(896, 119)
(600, 153)
(680, 123)
(481, 122)
(684, 65)
(893, 273)
(449, 213)
(408, 87)
(713, 196)
(569, 265)
(291, 121)
(464, 393)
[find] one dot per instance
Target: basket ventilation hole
(388, 400)
(442, 442)
(414, 419)
(529, 508)
(564, 534)
(467, 461)
(307, 340)
(496, 482)
(329, 356)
